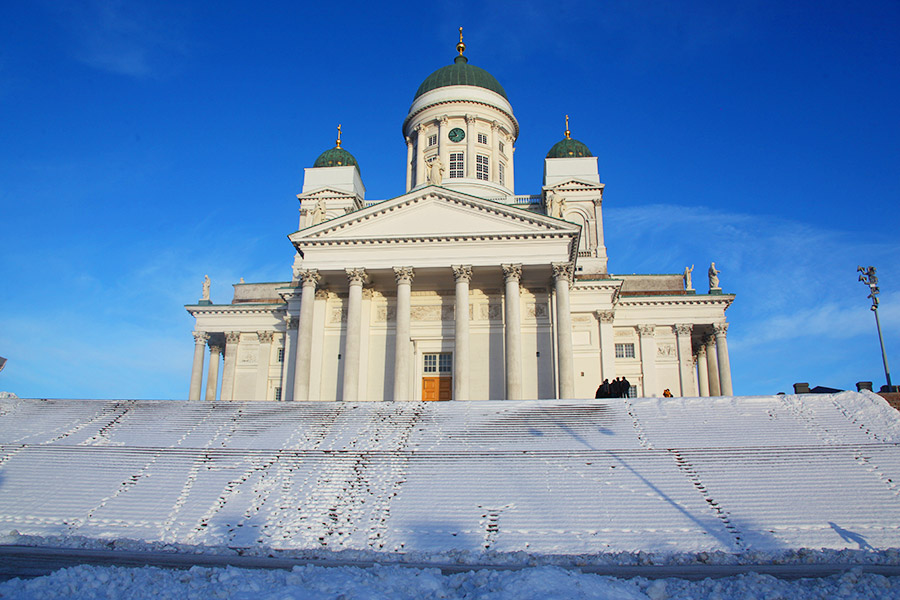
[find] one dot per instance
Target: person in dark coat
(625, 387)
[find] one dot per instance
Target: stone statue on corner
(436, 171)
(713, 277)
(688, 286)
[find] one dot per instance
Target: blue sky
(145, 144)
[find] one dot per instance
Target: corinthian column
(470, 146)
(212, 380)
(404, 277)
(287, 360)
(722, 356)
(562, 278)
(463, 275)
(420, 155)
(303, 352)
(685, 358)
(356, 277)
(648, 359)
(232, 338)
(702, 371)
(409, 164)
(607, 344)
(712, 366)
(200, 338)
(513, 331)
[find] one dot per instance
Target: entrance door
(436, 379)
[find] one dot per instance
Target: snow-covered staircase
(540, 476)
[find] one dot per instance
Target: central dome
(460, 73)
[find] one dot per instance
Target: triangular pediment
(324, 192)
(575, 185)
(435, 212)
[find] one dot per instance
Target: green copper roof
(336, 157)
(460, 73)
(568, 148)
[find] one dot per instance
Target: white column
(598, 219)
(443, 144)
(685, 358)
(470, 146)
(303, 351)
(495, 152)
(212, 380)
(712, 366)
(287, 359)
(648, 359)
(409, 165)
(702, 371)
(463, 275)
(722, 358)
(420, 154)
(513, 331)
(510, 175)
(607, 344)
(262, 368)
(200, 339)
(562, 278)
(402, 351)
(232, 338)
(356, 277)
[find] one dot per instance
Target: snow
(810, 478)
(398, 583)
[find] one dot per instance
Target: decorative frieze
(536, 310)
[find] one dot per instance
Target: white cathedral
(459, 289)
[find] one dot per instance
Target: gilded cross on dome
(568, 133)
(461, 47)
(339, 137)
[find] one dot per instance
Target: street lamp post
(868, 277)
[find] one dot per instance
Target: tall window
(281, 355)
(624, 350)
(278, 394)
(632, 391)
(457, 168)
(501, 173)
(432, 140)
(482, 138)
(500, 145)
(481, 167)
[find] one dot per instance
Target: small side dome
(336, 157)
(568, 148)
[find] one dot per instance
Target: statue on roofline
(205, 295)
(713, 277)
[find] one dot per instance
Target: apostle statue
(554, 204)
(205, 295)
(687, 278)
(713, 277)
(436, 171)
(318, 214)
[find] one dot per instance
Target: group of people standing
(618, 388)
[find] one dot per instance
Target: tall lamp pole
(868, 277)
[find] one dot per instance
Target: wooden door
(437, 388)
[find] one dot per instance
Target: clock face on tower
(457, 135)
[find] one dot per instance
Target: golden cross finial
(461, 47)
(568, 133)
(339, 137)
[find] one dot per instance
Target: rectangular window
(481, 167)
(438, 362)
(632, 391)
(278, 394)
(482, 138)
(501, 173)
(624, 350)
(281, 355)
(457, 166)
(500, 145)
(432, 140)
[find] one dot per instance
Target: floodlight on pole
(868, 277)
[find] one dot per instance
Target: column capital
(290, 321)
(309, 277)
(470, 119)
(409, 142)
(444, 120)
(232, 337)
(647, 330)
(215, 348)
(605, 316)
(356, 276)
(563, 270)
(495, 125)
(265, 337)
(404, 274)
(512, 272)
(420, 128)
(701, 351)
(598, 201)
(719, 329)
(709, 339)
(683, 328)
(462, 273)
(200, 337)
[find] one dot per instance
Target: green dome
(336, 157)
(568, 148)
(460, 73)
